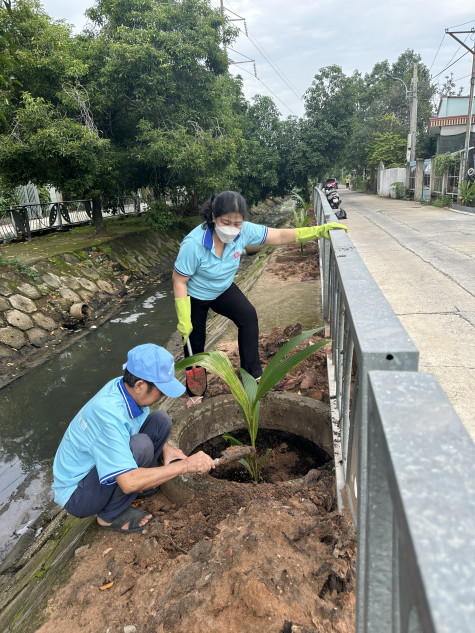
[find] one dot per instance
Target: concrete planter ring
(287, 412)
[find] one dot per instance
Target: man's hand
(200, 463)
(170, 453)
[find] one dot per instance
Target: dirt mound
(257, 559)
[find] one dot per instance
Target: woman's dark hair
(130, 380)
(221, 204)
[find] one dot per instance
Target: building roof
(451, 111)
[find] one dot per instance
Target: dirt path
(273, 557)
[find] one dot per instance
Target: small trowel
(233, 454)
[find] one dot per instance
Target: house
(450, 125)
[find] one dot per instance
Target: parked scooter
(334, 200)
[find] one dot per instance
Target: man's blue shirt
(209, 274)
(98, 436)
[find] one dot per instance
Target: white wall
(386, 177)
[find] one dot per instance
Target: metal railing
(368, 339)
(27, 219)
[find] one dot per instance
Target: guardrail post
(419, 543)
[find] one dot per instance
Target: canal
(36, 409)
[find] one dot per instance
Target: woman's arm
(180, 282)
(276, 237)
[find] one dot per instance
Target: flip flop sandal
(130, 515)
(147, 493)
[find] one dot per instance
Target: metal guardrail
(26, 219)
(419, 540)
(367, 338)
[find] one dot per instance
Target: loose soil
(270, 557)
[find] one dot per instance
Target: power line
(437, 52)
(447, 67)
(265, 55)
(272, 93)
(457, 25)
(464, 77)
(272, 65)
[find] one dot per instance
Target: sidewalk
(423, 259)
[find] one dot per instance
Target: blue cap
(154, 364)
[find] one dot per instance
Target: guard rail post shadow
(419, 540)
(366, 335)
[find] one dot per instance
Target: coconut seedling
(301, 217)
(248, 392)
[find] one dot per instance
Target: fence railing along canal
(405, 463)
(28, 219)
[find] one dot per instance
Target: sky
(288, 41)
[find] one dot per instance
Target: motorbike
(334, 201)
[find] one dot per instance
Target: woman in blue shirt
(207, 263)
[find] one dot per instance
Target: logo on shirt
(236, 255)
(82, 423)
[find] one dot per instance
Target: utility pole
(413, 121)
(470, 99)
(411, 96)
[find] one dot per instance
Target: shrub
(443, 201)
(399, 190)
(161, 216)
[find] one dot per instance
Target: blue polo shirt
(98, 436)
(209, 274)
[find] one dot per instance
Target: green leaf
(218, 363)
(264, 459)
(247, 466)
(276, 369)
(232, 440)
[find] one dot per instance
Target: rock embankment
(36, 301)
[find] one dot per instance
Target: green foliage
(18, 265)
(330, 105)
(249, 392)
(161, 217)
(399, 189)
(443, 201)
(387, 148)
(259, 159)
(47, 148)
(301, 217)
(443, 163)
(467, 193)
(44, 195)
(8, 197)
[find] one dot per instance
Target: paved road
(423, 259)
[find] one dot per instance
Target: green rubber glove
(309, 233)
(183, 311)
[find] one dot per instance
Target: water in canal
(36, 409)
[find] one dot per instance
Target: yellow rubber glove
(309, 233)
(183, 311)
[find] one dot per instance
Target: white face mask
(226, 233)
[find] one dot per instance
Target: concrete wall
(385, 179)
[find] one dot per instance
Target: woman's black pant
(234, 305)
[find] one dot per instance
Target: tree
(329, 110)
(45, 55)
(259, 161)
(160, 92)
(49, 149)
(388, 148)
